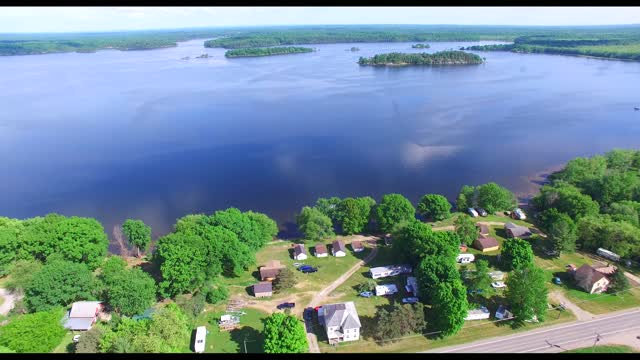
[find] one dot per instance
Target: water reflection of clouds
(416, 156)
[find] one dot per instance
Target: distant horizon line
(303, 25)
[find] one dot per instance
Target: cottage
(412, 285)
(478, 314)
(341, 322)
(386, 289)
(321, 250)
(390, 270)
(590, 279)
(262, 289)
(338, 249)
(486, 244)
(518, 231)
(357, 246)
(483, 229)
(270, 270)
(82, 315)
(299, 252)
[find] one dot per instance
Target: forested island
(269, 51)
(438, 58)
(420, 46)
(613, 47)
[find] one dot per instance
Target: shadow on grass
(248, 338)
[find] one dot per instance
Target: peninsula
(267, 51)
(438, 58)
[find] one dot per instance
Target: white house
(83, 315)
(338, 249)
(299, 252)
(478, 314)
(199, 342)
(390, 270)
(386, 289)
(340, 321)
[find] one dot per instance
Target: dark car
(308, 313)
(286, 305)
(305, 267)
(310, 270)
(481, 211)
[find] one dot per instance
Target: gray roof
(299, 249)
(517, 230)
(84, 309)
(263, 287)
(343, 315)
(586, 276)
(338, 245)
(78, 323)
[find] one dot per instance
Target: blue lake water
(147, 135)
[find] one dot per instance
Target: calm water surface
(147, 135)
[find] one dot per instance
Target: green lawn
(489, 218)
(66, 345)
(234, 341)
(604, 349)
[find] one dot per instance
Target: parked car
(481, 211)
(286, 305)
(308, 313)
(76, 338)
(309, 270)
(557, 281)
(317, 308)
(305, 267)
(498, 284)
(518, 214)
(366, 294)
(410, 300)
(476, 291)
(472, 212)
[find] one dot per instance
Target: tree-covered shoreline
(438, 58)
(269, 51)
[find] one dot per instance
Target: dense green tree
(447, 57)
(416, 240)
(252, 233)
(138, 233)
(434, 206)
(481, 279)
(22, 272)
(619, 283)
(398, 321)
(583, 173)
(130, 292)
(567, 199)
(182, 260)
(625, 211)
(266, 51)
(493, 197)
(620, 159)
(600, 231)
(284, 334)
(59, 283)
(171, 326)
(516, 253)
(268, 228)
(216, 293)
(616, 186)
(89, 342)
(393, 209)
(449, 307)
(34, 333)
(329, 207)
(286, 279)
(368, 285)
(466, 198)
(466, 229)
(314, 224)
(353, 214)
(432, 271)
(8, 248)
(562, 231)
(527, 293)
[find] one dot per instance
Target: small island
(267, 51)
(203, 56)
(420, 46)
(355, 49)
(438, 58)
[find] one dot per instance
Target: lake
(143, 134)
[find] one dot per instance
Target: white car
(76, 338)
(498, 284)
(518, 214)
(472, 212)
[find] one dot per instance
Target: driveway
(581, 315)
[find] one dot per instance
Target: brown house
(321, 250)
(262, 289)
(483, 229)
(590, 279)
(270, 270)
(518, 231)
(338, 249)
(486, 244)
(357, 246)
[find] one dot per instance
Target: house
(412, 285)
(338, 249)
(390, 270)
(478, 314)
(607, 270)
(590, 279)
(340, 321)
(386, 289)
(262, 289)
(503, 313)
(357, 246)
(270, 270)
(321, 250)
(483, 229)
(82, 315)
(518, 231)
(486, 244)
(299, 252)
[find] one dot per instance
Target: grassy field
(66, 345)
(488, 218)
(251, 325)
(604, 349)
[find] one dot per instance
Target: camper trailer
(465, 258)
(608, 254)
(201, 335)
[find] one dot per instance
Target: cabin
(590, 279)
(338, 249)
(83, 315)
(486, 244)
(321, 250)
(262, 289)
(200, 339)
(299, 252)
(357, 246)
(478, 314)
(270, 270)
(340, 321)
(386, 289)
(483, 229)
(518, 231)
(390, 270)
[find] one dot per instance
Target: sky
(77, 19)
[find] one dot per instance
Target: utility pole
(593, 349)
(245, 344)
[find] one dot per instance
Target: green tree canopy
(449, 307)
(562, 231)
(619, 283)
(138, 233)
(516, 253)
(432, 271)
(481, 279)
(182, 259)
(466, 198)
(393, 209)
(527, 294)
(493, 197)
(40, 332)
(600, 231)
(353, 214)
(434, 206)
(284, 334)
(625, 210)
(399, 321)
(129, 291)
(314, 224)
(89, 342)
(329, 207)
(286, 279)
(466, 229)
(567, 199)
(22, 272)
(59, 283)
(254, 230)
(8, 248)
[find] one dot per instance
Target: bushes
(34, 333)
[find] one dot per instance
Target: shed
(518, 231)
(299, 252)
(262, 289)
(486, 244)
(321, 250)
(338, 248)
(483, 229)
(357, 246)
(386, 289)
(269, 274)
